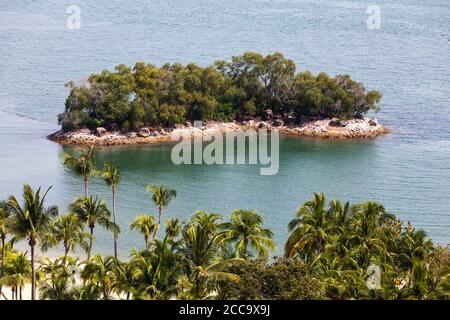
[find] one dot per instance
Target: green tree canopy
(242, 88)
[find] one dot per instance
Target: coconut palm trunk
(91, 227)
(113, 188)
(86, 186)
(2, 272)
(111, 175)
(32, 243)
(159, 220)
(160, 214)
(66, 251)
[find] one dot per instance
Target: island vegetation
(330, 253)
(247, 87)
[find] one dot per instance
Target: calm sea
(407, 59)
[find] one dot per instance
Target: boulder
(131, 135)
(290, 119)
(373, 122)
(101, 131)
(278, 122)
(114, 126)
(179, 126)
(335, 122)
(263, 125)
(84, 131)
(143, 132)
(269, 114)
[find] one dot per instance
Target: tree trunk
(105, 292)
(146, 241)
(90, 242)
(32, 243)
(12, 293)
(2, 272)
(114, 219)
(86, 186)
(66, 248)
(66, 252)
(159, 221)
(197, 287)
(20, 292)
(128, 295)
(160, 215)
(245, 248)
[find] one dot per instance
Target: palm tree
(247, 232)
(413, 244)
(125, 275)
(367, 219)
(58, 279)
(31, 220)
(112, 177)
(5, 228)
(18, 274)
(146, 225)
(100, 272)
(339, 233)
(90, 291)
(201, 248)
(157, 270)
(161, 196)
(173, 228)
(311, 228)
(93, 212)
(83, 165)
(341, 214)
(209, 221)
(69, 230)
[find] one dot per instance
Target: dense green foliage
(197, 261)
(334, 251)
(242, 88)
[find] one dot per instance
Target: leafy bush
(284, 279)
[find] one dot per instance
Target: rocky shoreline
(324, 128)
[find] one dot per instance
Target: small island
(147, 104)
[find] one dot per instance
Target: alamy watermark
(203, 147)
(374, 19)
(73, 21)
(374, 277)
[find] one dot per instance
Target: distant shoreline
(321, 128)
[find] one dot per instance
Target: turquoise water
(407, 60)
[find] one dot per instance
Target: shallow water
(407, 60)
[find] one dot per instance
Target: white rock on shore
(354, 128)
